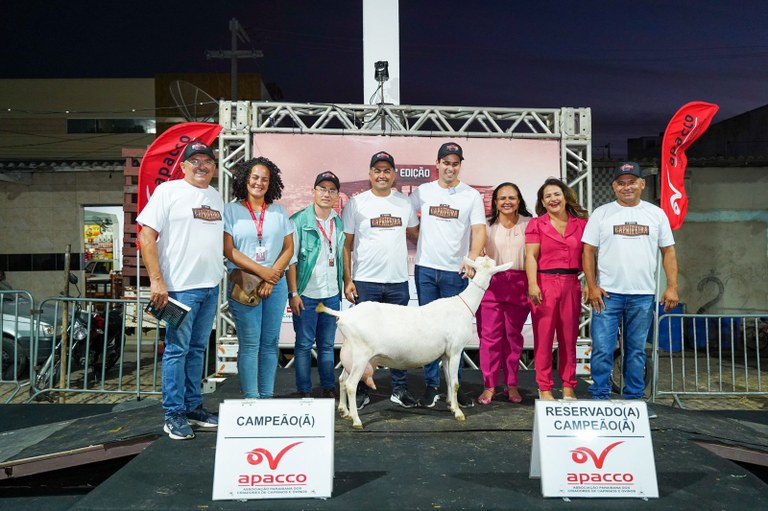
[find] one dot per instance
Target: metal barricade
(20, 325)
(94, 353)
(713, 355)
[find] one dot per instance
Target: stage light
(381, 69)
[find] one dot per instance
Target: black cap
(194, 148)
(450, 148)
(382, 156)
(328, 176)
(629, 167)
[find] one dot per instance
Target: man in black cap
(452, 228)
(182, 242)
(628, 234)
(376, 223)
(316, 276)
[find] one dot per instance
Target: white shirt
(323, 282)
(628, 241)
(380, 250)
(190, 226)
(447, 215)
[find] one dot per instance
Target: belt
(562, 271)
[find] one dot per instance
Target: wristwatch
(292, 294)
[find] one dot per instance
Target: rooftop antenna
(238, 34)
(195, 104)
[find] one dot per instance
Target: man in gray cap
(628, 235)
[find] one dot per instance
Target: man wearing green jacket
(316, 276)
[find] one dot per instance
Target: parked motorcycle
(95, 343)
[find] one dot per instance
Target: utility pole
(238, 33)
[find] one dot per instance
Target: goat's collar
(465, 303)
(478, 285)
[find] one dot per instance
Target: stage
(404, 458)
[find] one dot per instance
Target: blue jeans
(312, 328)
(432, 284)
(258, 333)
(396, 294)
(636, 312)
(184, 354)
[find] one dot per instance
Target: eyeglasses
(323, 191)
(386, 172)
(201, 163)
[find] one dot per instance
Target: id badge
(331, 263)
(261, 254)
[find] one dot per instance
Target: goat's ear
(470, 262)
(502, 267)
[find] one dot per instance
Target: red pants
(500, 320)
(558, 313)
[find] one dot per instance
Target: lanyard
(260, 222)
(326, 236)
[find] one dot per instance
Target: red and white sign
(274, 449)
(688, 124)
(593, 449)
(161, 161)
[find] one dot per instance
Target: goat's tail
(322, 308)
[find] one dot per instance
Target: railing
(19, 324)
(711, 355)
(95, 352)
(106, 348)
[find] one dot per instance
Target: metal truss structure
(571, 126)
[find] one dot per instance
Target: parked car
(17, 332)
(98, 268)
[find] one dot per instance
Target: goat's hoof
(358, 426)
(460, 417)
(343, 414)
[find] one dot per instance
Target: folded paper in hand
(245, 287)
(173, 313)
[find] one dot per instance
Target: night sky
(634, 63)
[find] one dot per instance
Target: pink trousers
(500, 321)
(558, 313)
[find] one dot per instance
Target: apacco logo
(582, 454)
(260, 454)
(675, 196)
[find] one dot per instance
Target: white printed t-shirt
(190, 226)
(447, 215)
(628, 241)
(380, 250)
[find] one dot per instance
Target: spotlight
(381, 68)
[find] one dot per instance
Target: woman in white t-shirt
(504, 308)
(258, 237)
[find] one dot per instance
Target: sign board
(274, 449)
(593, 449)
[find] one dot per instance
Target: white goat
(403, 337)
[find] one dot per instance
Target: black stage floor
(403, 459)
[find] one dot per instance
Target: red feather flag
(687, 125)
(161, 161)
